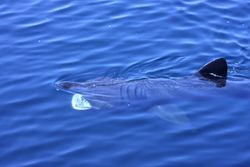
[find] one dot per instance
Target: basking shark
(148, 93)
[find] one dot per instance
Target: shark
(153, 94)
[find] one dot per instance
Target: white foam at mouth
(80, 103)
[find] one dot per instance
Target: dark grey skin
(153, 93)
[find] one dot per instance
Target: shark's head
(90, 94)
(215, 71)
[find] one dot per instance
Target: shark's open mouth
(80, 103)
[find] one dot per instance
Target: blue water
(46, 41)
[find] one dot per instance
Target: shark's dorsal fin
(215, 69)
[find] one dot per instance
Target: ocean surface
(42, 42)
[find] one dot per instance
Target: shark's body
(109, 92)
(112, 91)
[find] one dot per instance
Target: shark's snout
(64, 85)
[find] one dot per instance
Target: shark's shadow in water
(111, 93)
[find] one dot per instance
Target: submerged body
(107, 92)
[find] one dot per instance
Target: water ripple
(42, 42)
